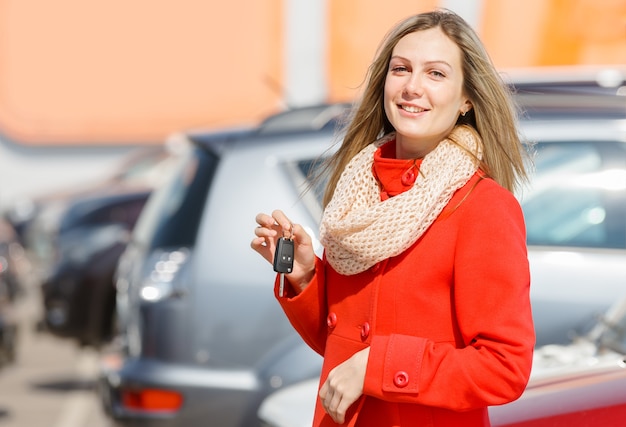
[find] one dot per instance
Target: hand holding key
(276, 239)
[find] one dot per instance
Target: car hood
(566, 392)
(292, 406)
(582, 354)
(575, 368)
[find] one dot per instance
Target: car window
(123, 211)
(172, 215)
(577, 196)
(309, 169)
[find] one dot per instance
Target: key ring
(290, 231)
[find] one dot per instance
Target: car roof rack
(599, 80)
(309, 118)
(570, 105)
(569, 92)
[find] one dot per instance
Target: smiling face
(423, 93)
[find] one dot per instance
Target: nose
(413, 85)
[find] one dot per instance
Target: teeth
(411, 109)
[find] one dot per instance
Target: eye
(399, 69)
(437, 74)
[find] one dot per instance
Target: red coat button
(365, 331)
(331, 320)
(401, 379)
(408, 177)
(375, 268)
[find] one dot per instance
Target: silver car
(202, 341)
(575, 212)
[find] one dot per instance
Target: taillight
(152, 400)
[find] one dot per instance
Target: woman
(420, 305)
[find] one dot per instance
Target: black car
(77, 287)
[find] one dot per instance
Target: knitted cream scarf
(358, 230)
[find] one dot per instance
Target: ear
(467, 105)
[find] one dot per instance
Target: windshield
(578, 195)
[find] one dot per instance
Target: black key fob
(283, 257)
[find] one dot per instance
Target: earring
(463, 113)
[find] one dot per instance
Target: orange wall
(555, 32)
(119, 71)
(124, 71)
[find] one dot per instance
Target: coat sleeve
(307, 311)
(492, 307)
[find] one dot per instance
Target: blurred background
(94, 96)
(82, 82)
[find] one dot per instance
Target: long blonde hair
(493, 116)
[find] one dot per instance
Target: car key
(283, 257)
(283, 261)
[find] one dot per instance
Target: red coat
(448, 321)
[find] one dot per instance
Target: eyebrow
(437, 61)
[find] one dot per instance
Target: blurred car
(582, 397)
(138, 167)
(11, 253)
(77, 287)
(576, 385)
(199, 325)
(575, 212)
(202, 337)
(603, 345)
(11, 258)
(580, 384)
(74, 243)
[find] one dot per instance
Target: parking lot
(51, 382)
(191, 325)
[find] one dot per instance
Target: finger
(300, 235)
(265, 241)
(334, 408)
(340, 411)
(336, 405)
(265, 237)
(323, 391)
(258, 244)
(265, 220)
(264, 232)
(265, 250)
(327, 404)
(326, 396)
(284, 222)
(331, 400)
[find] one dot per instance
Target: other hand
(344, 386)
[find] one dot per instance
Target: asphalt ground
(51, 383)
